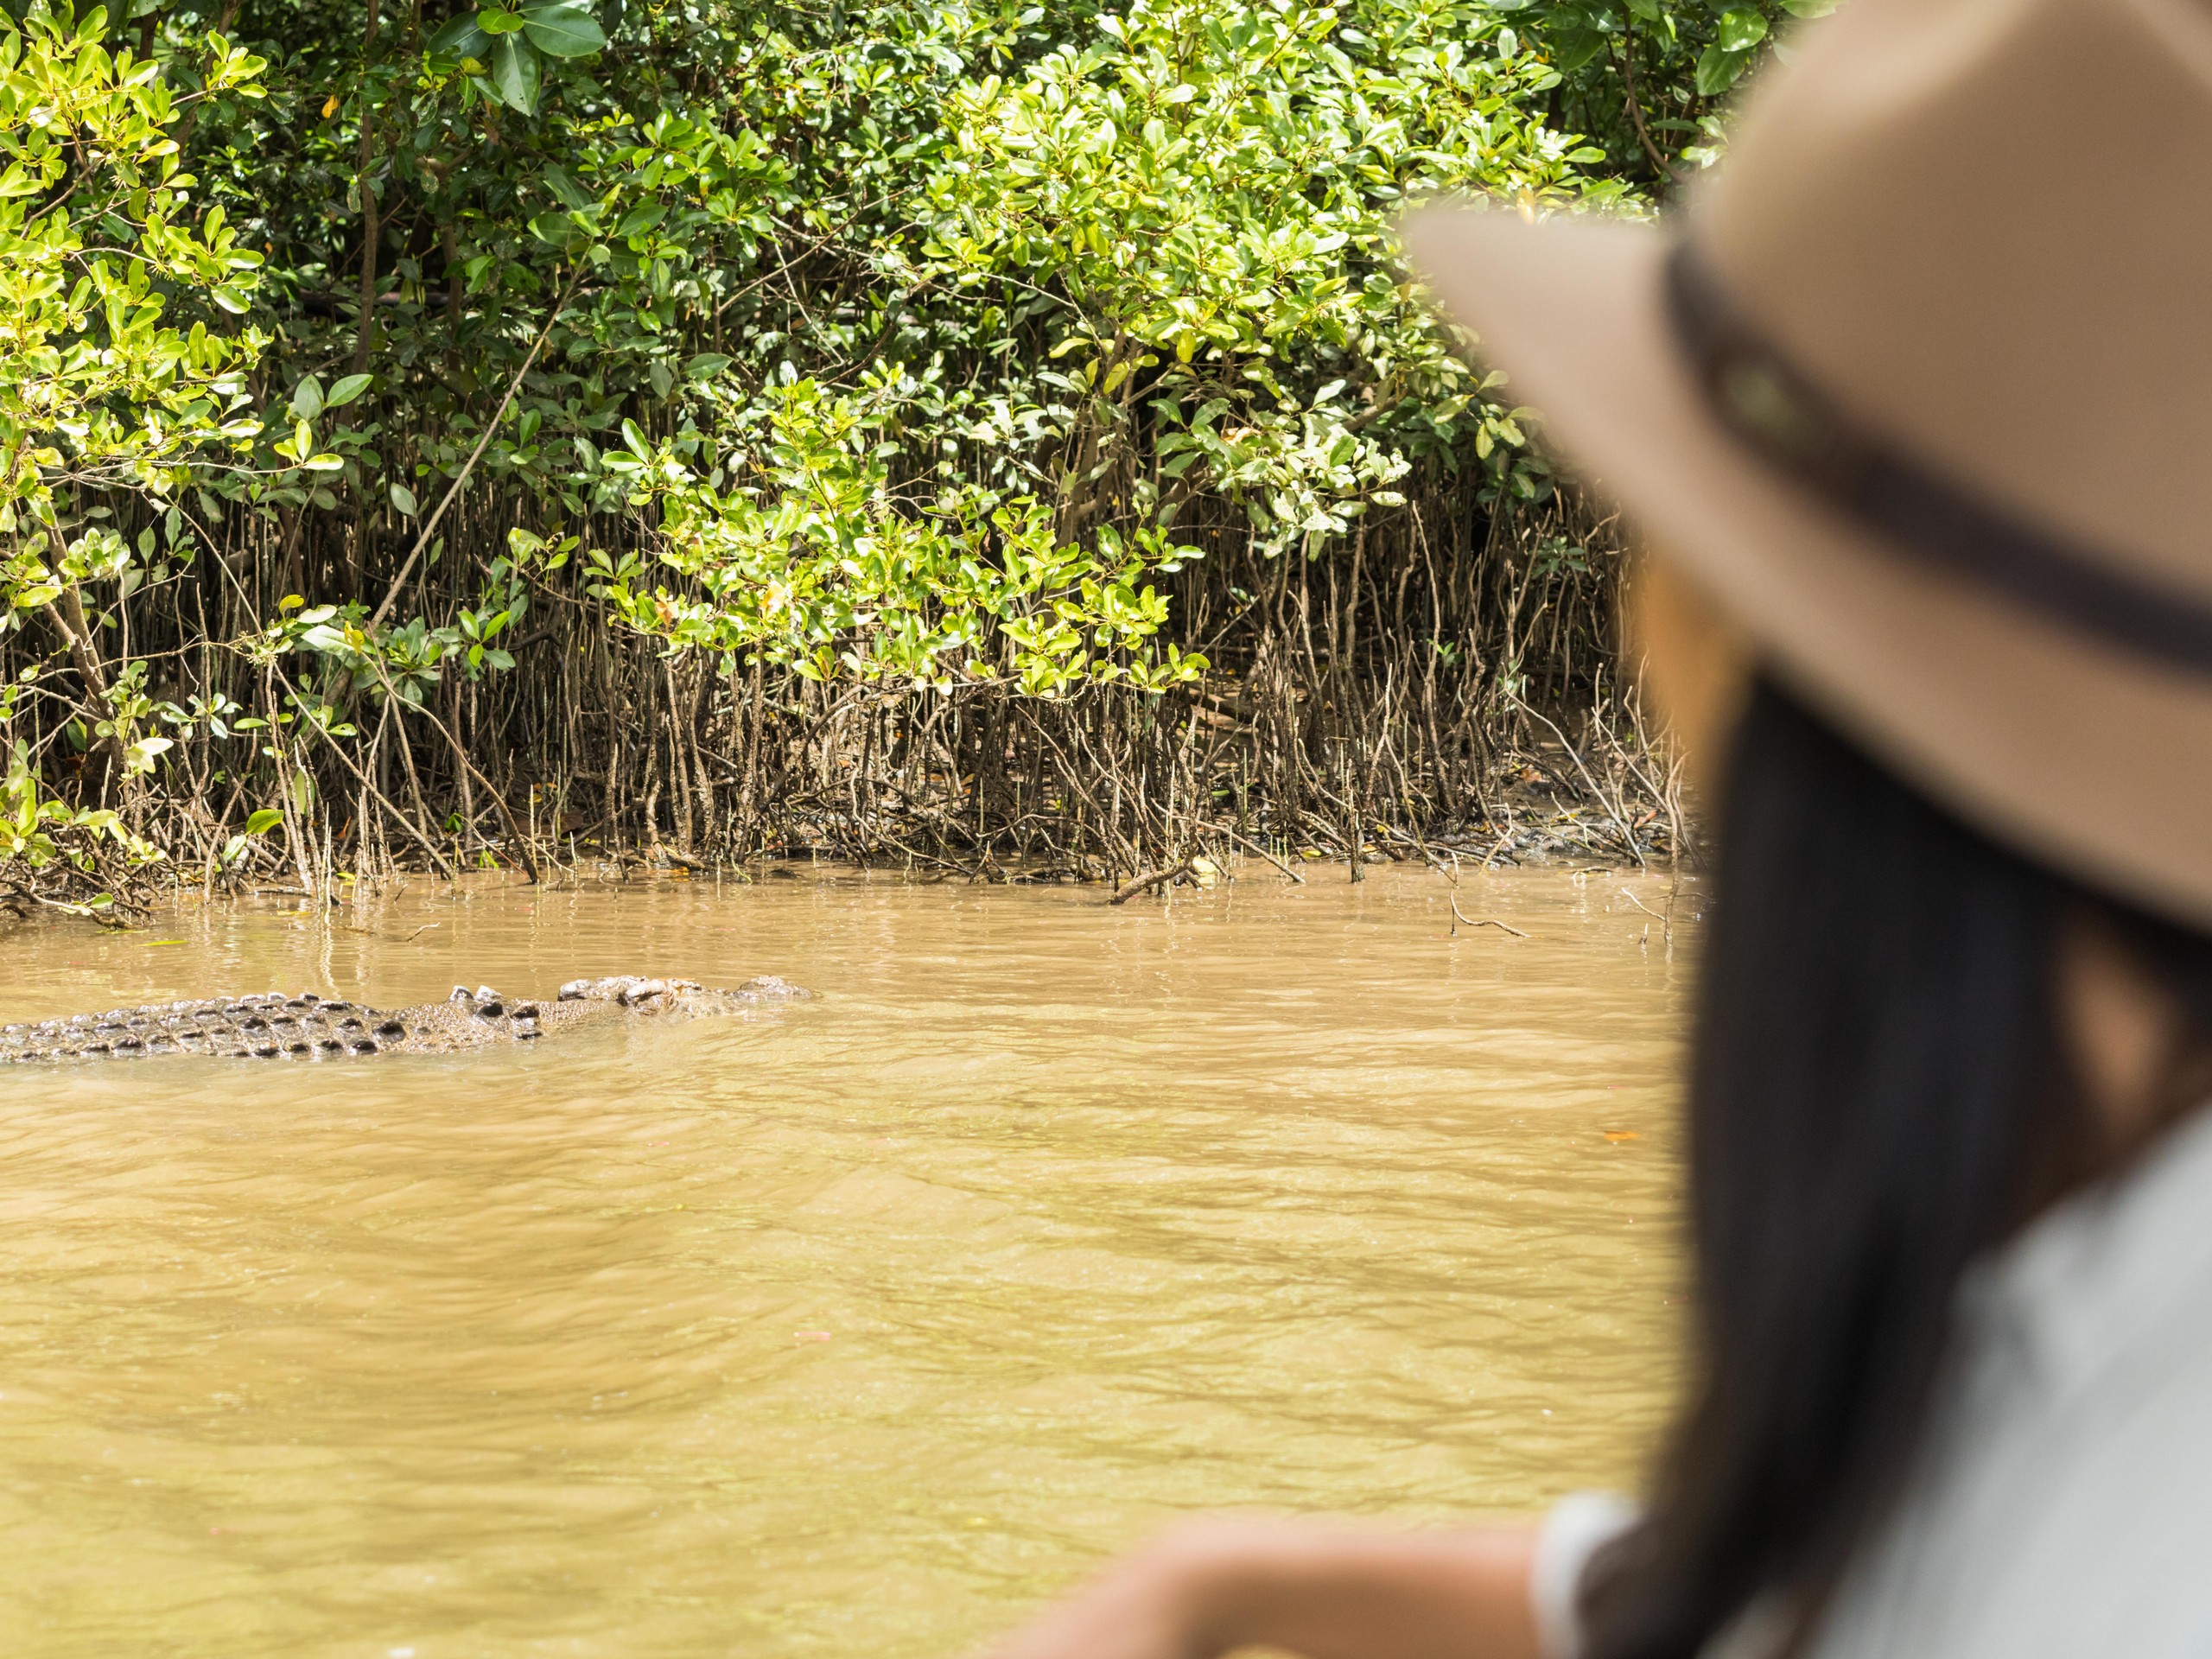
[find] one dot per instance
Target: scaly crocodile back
(309, 1027)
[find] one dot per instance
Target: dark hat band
(1762, 398)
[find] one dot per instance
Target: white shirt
(2061, 1507)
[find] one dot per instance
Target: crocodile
(274, 1026)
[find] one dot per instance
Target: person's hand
(1149, 1605)
(1207, 1589)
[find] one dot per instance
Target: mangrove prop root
(1451, 693)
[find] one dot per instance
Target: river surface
(852, 1328)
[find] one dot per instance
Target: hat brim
(2083, 757)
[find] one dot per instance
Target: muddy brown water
(852, 1329)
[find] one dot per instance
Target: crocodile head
(671, 996)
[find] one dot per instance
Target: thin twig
(1628, 836)
(1666, 927)
(407, 569)
(517, 842)
(1460, 916)
(1636, 106)
(332, 745)
(1246, 841)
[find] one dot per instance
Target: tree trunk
(371, 226)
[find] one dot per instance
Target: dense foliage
(410, 416)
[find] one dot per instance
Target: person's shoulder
(2106, 1551)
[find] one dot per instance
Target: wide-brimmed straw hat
(1919, 387)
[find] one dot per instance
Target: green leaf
(1808, 8)
(707, 366)
(641, 219)
(403, 499)
(307, 399)
(264, 820)
(561, 229)
(566, 189)
(1741, 28)
(348, 389)
(495, 20)
(1574, 46)
(514, 73)
(140, 756)
(461, 37)
(1717, 69)
(564, 29)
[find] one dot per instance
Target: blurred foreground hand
(1210, 1588)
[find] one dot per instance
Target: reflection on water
(847, 1330)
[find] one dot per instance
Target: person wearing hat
(1913, 407)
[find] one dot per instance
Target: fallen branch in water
(1460, 916)
(378, 933)
(1666, 924)
(1150, 879)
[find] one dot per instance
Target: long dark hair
(1877, 1094)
